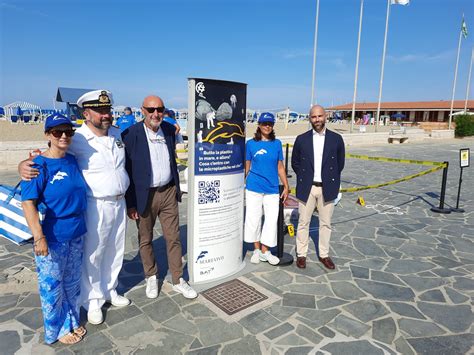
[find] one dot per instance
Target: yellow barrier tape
(406, 178)
(437, 166)
(182, 162)
(396, 160)
(392, 182)
(367, 157)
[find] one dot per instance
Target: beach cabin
(21, 111)
(70, 96)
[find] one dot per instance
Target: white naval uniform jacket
(101, 161)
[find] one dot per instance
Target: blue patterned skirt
(59, 275)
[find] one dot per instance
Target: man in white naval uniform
(100, 154)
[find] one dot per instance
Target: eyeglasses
(58, 133)
(270, 124)
(159, 109)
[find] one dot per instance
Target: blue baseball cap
(266, 117)
(56, 119)
(170, 112)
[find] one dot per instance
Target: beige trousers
(164, 206)
(305, 210)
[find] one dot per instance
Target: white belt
(109, 198)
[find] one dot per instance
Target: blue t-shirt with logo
(125, 121)
(62, 189)
(170, 120)
(264, 157)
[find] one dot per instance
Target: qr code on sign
(209, 191)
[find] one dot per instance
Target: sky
(141, 47)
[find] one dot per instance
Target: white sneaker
(95, 316)
(120, 301)
(151, 287)
(255, 259)
(184, 288)
(271, 259)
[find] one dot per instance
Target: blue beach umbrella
(398, 115)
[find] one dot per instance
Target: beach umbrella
(2, 111)
(398, 115)
(460, 113)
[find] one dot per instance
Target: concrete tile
(217, 331)
(279, 331)
(258, 322)
(352, 347)
(298, 300)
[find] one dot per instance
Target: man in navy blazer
(154, 192)
(318, 159)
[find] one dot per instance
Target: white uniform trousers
(104, 246)
(256, 205)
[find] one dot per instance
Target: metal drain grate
(233, 296)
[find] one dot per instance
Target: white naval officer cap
(96, 98)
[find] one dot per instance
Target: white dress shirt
(101, 161)
(318, 148)
(159, 157)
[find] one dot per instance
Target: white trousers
(305, 210)
(104, 246)
(257, 205)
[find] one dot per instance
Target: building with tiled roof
(415, 111)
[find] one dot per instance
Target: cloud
(421, 57)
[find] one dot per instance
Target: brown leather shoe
(327, 262)
(301, 262)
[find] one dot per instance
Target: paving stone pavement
(403, 283)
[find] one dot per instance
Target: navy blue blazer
(302, 162)
(138, 164)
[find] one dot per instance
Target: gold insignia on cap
(104, 98)
(98, 99)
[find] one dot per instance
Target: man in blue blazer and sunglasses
(154, 192)
(318, 159)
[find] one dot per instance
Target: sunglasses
(58, 134)
(159, 109)
(270, 124)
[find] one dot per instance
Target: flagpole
(468, 81)
(455, 78)
(357, 66)
(383, 65)
(313, 95)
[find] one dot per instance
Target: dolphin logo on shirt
(58, 176)
(261, 152)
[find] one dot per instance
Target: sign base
(286, 259)
(441, 210)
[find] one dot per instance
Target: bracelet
(37, 240)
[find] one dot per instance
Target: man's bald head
(317, 117)
(152, 101)
(154, 118)
(316, 107)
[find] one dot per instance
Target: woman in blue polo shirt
(58, 240)
(263, 166)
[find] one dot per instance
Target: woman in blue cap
(263, 166)
(58, 239)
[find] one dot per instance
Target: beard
(318, 127)
(103, 124)
(154, 124)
